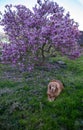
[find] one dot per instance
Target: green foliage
(24, 105)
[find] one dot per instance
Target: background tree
(32, 34)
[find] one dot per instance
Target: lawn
(23, 97)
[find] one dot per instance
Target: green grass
(24, 104)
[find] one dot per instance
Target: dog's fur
(55, 87)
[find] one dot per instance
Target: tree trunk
(42, 52)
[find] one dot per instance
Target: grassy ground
(23, 98)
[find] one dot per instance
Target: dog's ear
(49, 86)
(49, 89)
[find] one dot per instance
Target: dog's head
(52, 89)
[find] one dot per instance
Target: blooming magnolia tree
(32, 34)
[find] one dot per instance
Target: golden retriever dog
(55, 87)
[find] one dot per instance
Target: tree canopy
(34, 33)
